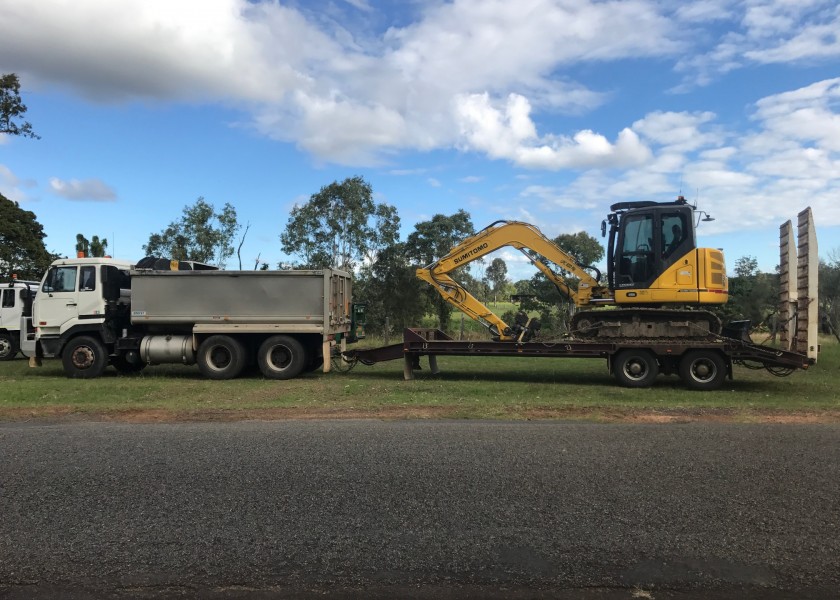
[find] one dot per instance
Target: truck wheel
(702, 370)
(8, 346)
(635, 368)
(84, 357)
(281, 357)
(221, 357)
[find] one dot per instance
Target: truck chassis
(701, 364)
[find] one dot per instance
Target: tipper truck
(96, 312)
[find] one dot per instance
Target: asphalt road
(419, 510)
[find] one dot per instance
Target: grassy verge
(467, 387)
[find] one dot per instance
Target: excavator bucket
(799, 286)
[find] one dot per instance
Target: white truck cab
(72, 299)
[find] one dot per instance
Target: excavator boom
(540, 250)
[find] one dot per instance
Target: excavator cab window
(674, 234)
(636, 256)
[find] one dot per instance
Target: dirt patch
(596, 414)
(719, 415)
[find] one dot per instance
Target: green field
(467, 387)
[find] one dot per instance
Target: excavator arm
(535, 246)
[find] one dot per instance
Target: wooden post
(408, 367)
(807, 283)
(433, 366)
(787, 286)
(326, 349)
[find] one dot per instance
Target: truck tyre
(281, 357)
(702, 369)
(8, 346)
(635, 368)
(84, 357)
(221, 357)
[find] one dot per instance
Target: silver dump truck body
(317, 301)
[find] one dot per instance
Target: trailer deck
(629, 360)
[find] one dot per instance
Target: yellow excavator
(657, 278)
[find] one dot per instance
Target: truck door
(9, 315)
(58, 301)
(90, 294)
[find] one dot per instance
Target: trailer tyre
(84, 357)
(221, 357)
(281, 357)
(635, 368)
(8, 346)
(702, 370)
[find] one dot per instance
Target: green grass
(467, 387)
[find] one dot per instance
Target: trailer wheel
(702, 370)
(221, 357)
(8, 346)
(635, 368)
(281, 357)
(84, 357)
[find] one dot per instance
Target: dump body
(301, 301)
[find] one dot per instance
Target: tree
(753, 295)
(340, 226)
(22, 249)
(93, 247)
(829, 277)
(555, 308)
(12, 107)
(391, 290)
(585, 249)
(202, 235)
(433, 239)
(496, 274)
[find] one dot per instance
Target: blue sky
(546, 111)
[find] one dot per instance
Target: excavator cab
(653, 258)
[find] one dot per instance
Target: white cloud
(433, 182)
(89, 189)
(12, 186)
(555, 197)
(345, 96)
(804, 114)
(362, 5)
(789, 159)
(765, 32)
(678, 132)
(507, 132)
